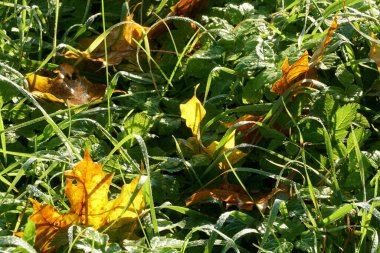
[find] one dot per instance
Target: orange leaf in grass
(87, 190)
(292, 74)
(66, 87)
(302, 69)
(188, 7)
(232, 195)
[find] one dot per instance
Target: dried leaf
(193, 113)
(121, 44)
(188, 7)
(232, 195)
(233, 157)
(292, 74)
(87, 190)
(302, 69)
(374, 52)
(66, 87)
(250, 136)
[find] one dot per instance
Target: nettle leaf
(342, 120)
(344, 76)
(361, 135)
(253, 91)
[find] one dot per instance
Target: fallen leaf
(188, 7)
(121, 44)
(66, 87)
(292, 74)
(193, 112)
(232, 195)
(87, 190)
(250, 135)
(233, 157)
(302, 69)
(374, 52)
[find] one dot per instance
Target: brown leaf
(66, 87)
(232, 195)
(121, 44)
(250, 136)
(87, 190)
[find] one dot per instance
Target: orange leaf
(188, 7)
(66, 87)
(292, 74)
(232, 195)
(87, 190)
(374, 52)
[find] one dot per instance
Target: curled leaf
(188, 7)
(87, 190)
(193, 112)
(121, 44)
(292, 74)
(232, 195)
(66, 87)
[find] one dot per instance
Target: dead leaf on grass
(66, 87)
(374, 52)
(87, 190)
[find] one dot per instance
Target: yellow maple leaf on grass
(87, 190)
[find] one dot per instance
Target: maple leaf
(233, 157)
(193, 112)
(374, 52)
(121, 44)
(66, 87)
(302, 69)
(292, 74)
(87, 190)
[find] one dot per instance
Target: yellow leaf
(374, 52)
(87, 190)
(188, 7)
(66, 87)
(193, 113)
(233, 157)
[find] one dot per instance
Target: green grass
(322, 144)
